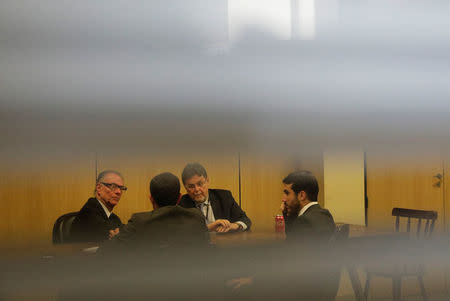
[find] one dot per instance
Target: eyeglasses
(114, 186)
(200, 184)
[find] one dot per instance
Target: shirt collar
(108, 213)
(206, 202)
(306, 207)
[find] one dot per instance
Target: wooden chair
(421, 215)
(342, 232)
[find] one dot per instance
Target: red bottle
(279, 223)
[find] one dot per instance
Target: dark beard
(293, 210)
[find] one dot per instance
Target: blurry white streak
(273, 17)
(307, 20)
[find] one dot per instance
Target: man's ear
(302, 195)
(154, 204)
(97, 187)
(179, 198)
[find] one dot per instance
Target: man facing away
(166, 227)
(218, 206)
(95, 221)
(305, 220)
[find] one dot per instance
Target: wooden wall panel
(36, 188)
(138, 168)
(262, 188)
(312, 161)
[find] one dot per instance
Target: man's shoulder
(221, 193)
(317, 210)
(141, 216)
(217, 190)
(91, 205)
(177, 210)
(165, 211)
(186, 201)
(316, 214)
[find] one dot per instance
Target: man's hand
(235, 227)
(284, 208)
(113, 233)
(236, 283)
(220, 225)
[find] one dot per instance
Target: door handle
(439, 178)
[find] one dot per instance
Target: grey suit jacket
(166, 227)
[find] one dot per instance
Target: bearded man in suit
(305, 220)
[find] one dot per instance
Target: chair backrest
(61, 228)
(429, 216)
(342, 232)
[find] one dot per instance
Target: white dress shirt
(303, 210)
(206, 209)
(108, 213)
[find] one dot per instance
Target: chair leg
(356, 284)
(422, 288)
(396, 288)
(367, 287)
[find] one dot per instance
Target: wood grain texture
(36, 188)
(262, 187)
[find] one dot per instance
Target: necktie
(204, 208)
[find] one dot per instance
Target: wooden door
(403, 178)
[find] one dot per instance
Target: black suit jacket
(163, 228)
(223, 205)
(92, 224)
(315, 225)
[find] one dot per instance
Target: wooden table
(247, 238)
(227, 240)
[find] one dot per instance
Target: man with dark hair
(167, 226)
(95, 222)
(305, 220)
(220, 210)
(312, 275)
(164, 190)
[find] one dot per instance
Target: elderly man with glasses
(222, 213)
(95, 222)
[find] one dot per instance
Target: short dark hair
(192, 169)
(303, 180)
(165, 189)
